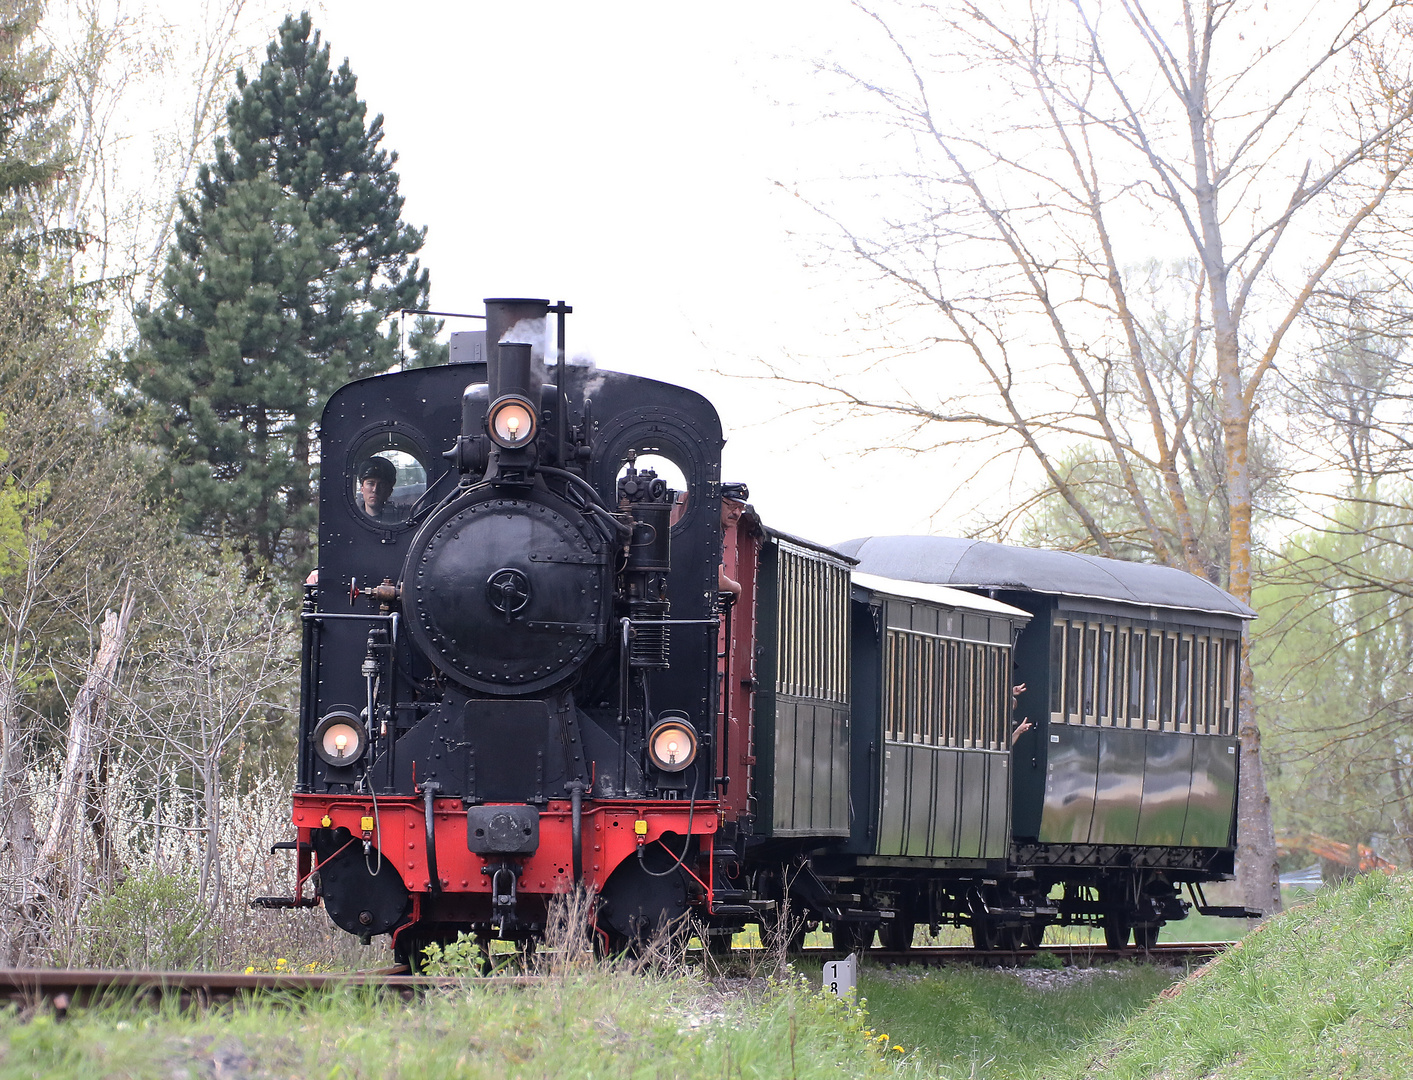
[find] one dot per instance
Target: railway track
(61, 989)
(1175, 952)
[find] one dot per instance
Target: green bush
(149, 922)
(1046, 961)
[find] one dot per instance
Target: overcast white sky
(625, 157)
(641, 160)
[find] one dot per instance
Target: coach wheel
(1116, 930)
(897, 934)
(783, 928)
(989, 934)
(985, 933)
(1013, 938)
(852, 937)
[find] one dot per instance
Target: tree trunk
(14, 799)
(97, 806)
(86, 733)
(1257, 873)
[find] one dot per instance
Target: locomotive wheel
(645, 901)
(407, 953)
(1032, 934)
(1146, 936)
(718, 944)
(852, 936)
(897, 934)
(408, 950)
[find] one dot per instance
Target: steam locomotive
(537, 654)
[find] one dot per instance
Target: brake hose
(686, 847)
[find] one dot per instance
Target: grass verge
(604, 1022)
(1324, 990)
(975, 1022)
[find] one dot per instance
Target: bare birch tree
(1057, 149)
(145, 94)
(217, 659)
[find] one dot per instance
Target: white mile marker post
(841, 976)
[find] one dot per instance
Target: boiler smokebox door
(506, 596)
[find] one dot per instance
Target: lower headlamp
(672, 744)
(340, 738)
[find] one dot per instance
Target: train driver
(377, 477)
(733, 505)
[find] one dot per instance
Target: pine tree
(286, 262)
(33, 151)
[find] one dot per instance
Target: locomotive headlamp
(672, 745)
(340, 738)
(511, 422)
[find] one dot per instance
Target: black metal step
(730, 895)
(280, 902)
(732, 909)
(1229, 912)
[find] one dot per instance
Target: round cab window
(669, 471)
(389, 476)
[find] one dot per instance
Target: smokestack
(502, 316)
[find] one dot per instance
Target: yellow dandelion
(882, 1038)
(250, 970)
(898, 1048)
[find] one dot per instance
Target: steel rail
(65, 988)
(1072, 955)
(62, 989)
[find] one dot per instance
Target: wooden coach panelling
(946, 762)
(807, 604)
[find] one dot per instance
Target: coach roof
(942, 595)
(977, 564)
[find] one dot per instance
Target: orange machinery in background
(1358, 857)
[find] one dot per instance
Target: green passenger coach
(1123, 774)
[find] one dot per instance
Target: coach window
(1106, 648)
(954, 696)
(1182, 721)
(1197, 686)
(1072, 640)
(1120, 698)
(1214, 684)
(1165, 697)
(1229, 681)
(387, 475)
(1136, 639)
